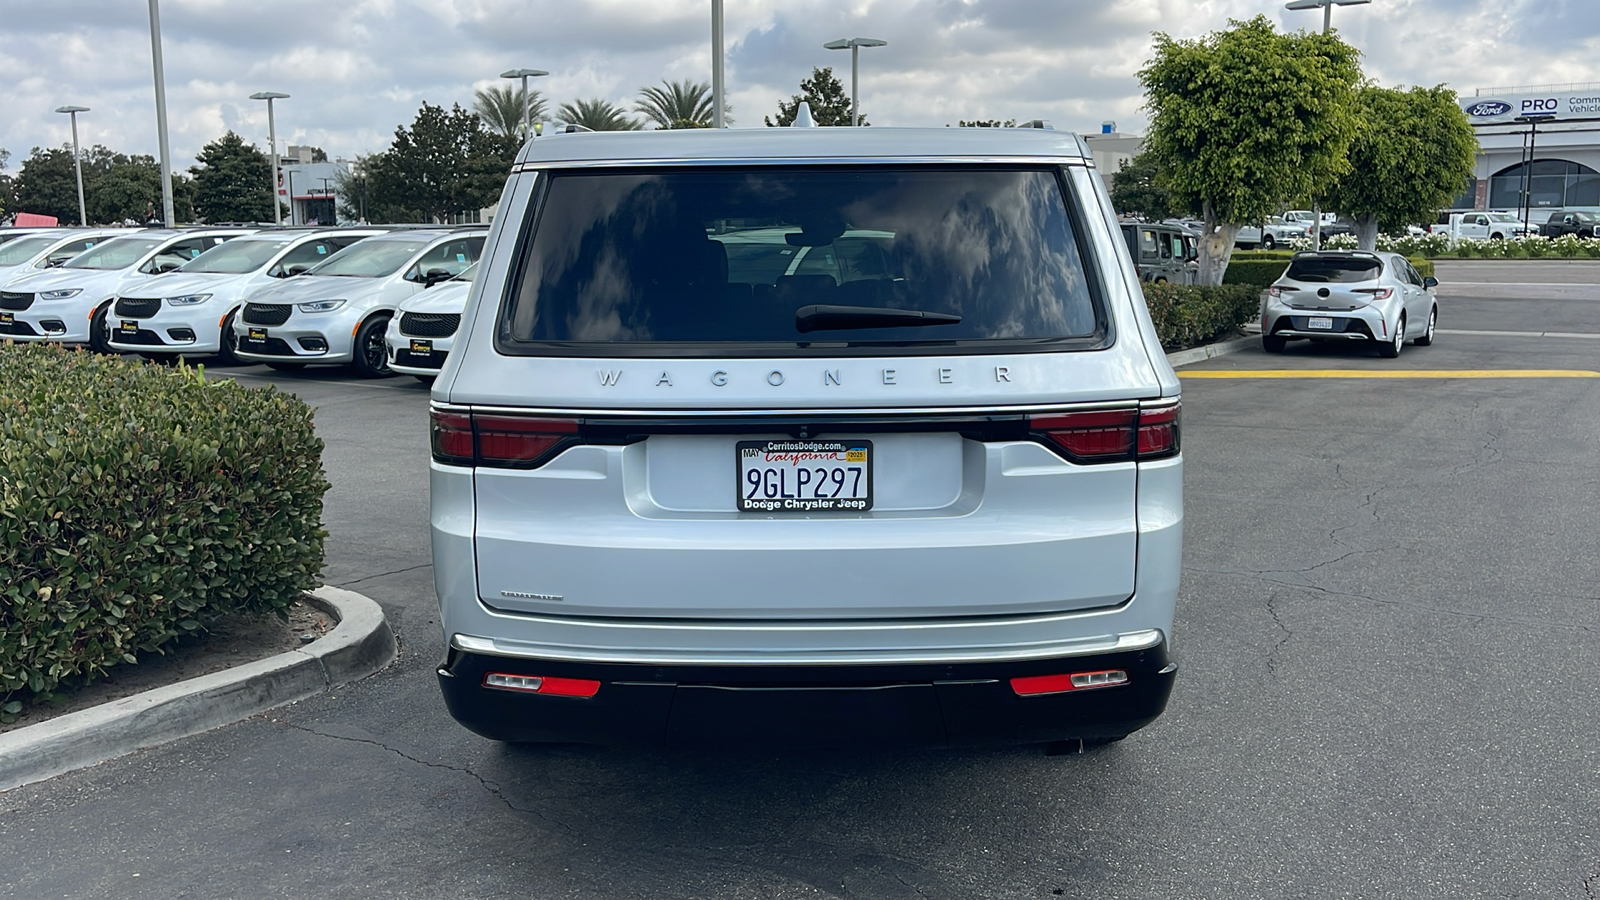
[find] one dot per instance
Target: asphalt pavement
(1387, 628)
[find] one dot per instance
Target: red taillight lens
(515, 441)
(452, 438)
(1035, 685)
(1378, 293)
(542, 684)
(1111, 435)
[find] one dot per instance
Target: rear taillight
(1377, 293)
(518, 442)
(1111, 435)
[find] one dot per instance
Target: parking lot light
(854, 45)
(527, 105)
(272, 138)
(77, 158)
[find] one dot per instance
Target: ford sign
(1488, 109)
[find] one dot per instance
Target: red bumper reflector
(542, 684)
(1035, 685)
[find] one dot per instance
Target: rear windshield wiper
(823, 317)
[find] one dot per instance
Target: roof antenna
(802, 116)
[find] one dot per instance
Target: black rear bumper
(960, 704)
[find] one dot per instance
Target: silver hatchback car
(806, 435)
(1372, 298)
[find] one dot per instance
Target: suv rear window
(1334, 269)
(791, 260)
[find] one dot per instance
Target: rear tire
(1392, 349)
(1427, 338)
(286, 367)
(1268, 242)
(99, 339)
(371, 354)
(229, 343)
(1273, 344)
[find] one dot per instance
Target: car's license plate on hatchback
(1322, 322)
(805, 476)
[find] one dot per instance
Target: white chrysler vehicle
(338, 311)
(925, 487)
(191, 310)
(424, 327)
(1375, 299)
(69, 304)
(29, 253)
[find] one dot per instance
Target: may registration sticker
(805, 476)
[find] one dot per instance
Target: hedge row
(134, 500)
(1260, 268)
(1188, 314)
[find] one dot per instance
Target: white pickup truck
(1482, 226)
(1275, 232)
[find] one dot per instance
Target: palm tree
(685, 104)
(597, 114)
(500, 108)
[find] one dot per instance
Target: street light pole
(1327, 26)
(854, 45)
(717, 87)
(527, 101)
(272, 138)
(77, 159)
(161, 113)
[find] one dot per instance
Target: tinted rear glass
(1334, 270)
(729, 256)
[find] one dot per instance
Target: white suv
(191, 310)
(338, 311)
(806, 435)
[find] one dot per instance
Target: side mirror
(164, 268)
(434, 276)
(1430, 282)
(296, 269)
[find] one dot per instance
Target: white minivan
(191, 310)
(338, 311)
(924, 486)
(424, 327)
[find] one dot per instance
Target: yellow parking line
(1388, 373)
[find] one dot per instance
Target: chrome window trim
(789, 161)
(1061, 649)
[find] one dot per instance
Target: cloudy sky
(357, 68)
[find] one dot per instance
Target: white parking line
(1538, 334)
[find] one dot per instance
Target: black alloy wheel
(229, 343)
(100, 331)
(371, 353)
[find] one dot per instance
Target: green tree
(129, 187)
(830, 105)
(350, 190)
(47, 185)
(1410, 157)
(1136, 190)
(987, 123)
(7, 190)
(232, 181)
(1244, 119)
(597, 115)
(445, 164)
(679, 104)
(501, 108)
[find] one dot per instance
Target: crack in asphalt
(1277, 619)
(1368, 505)
(919, 890)
(493, 788)
(1589, 885)
(427, 565)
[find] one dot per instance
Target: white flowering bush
(1433, 246)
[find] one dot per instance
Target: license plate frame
(1320, 323)
(793, 474)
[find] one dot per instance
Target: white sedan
(424, 327)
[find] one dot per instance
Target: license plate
(258, 334)
(7, 318)
(129, 326)
(1320, 322)
(805, 476)
(422, 347)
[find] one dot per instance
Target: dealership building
(1538, 143)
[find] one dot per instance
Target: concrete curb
(1209, 351)
(359, 645)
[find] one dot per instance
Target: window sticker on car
(461, 257)
(321, 249)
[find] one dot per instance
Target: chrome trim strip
(1092, 646)
(828, 412)
(1031, 159)
(1335, 335)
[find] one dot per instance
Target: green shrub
(1189, 314)
(1423, 266)
(135, 499)
(1257, 273)
(1247, 255)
